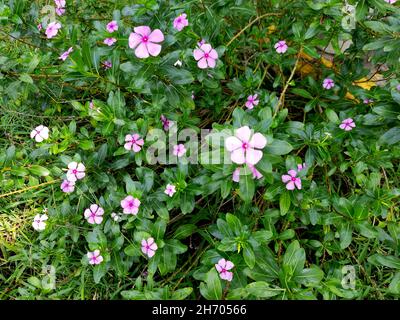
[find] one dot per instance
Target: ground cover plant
(203, 149)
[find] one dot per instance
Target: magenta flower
(40, 133)
(76, 171)
(222, 267)
(166, 123)
(95, 257)
(243, 146)
(68, 186)
(60, 3)
(252, 101)
(291, 180)
(149, 247)
(180, 22)
(39, 223)
(109, 41)
(60, 11)
(94, 214)
(328, 84)
(205, 56)
(130, 205)
(145, 41)
(301, 166)
(112, 26)
(52, 29)
(65, 55)
(281, 46)
(107, 64)
(179, 150)
(133, 142)
(347, 124)
(170, 190)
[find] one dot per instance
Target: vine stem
(250, 24)
(28, 188)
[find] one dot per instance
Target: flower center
(145, 39)
(131, 204)
(206, 55)
(74, 171)
(223, 270)
(245, 145)
(293, 179)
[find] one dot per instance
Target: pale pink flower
(109, 41)
(60, 11)
(166, 123)
(255, 173)
(291, 180)
(301, 166)
(170, 190)
(149, 247)
(328, 83)
(112, 26)
(52, 29)
(179, 150)
(222, 267)
(40, 133)
(76, 171)
(94, 257)
(39, 223)
(201, 42)
(133, 142)
(65, 55)
(368, 101)
(243, 146)
(130, 205)
(68, 186)
(91, 105)
(94, 214)
(107, 64)
(180, 22)
(115, 217)
(40, 27)
(145, 41)
(60, 3)
(205, 56)
(391, 1)
(281, 46)
(252, 101)
(236, 175)
(347, 124)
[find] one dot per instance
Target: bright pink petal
(206, 48)
(285, 178)
(213, 54)
(292, 173)
(156, 36)
(142, 30)
(298, 183)
(134, 40)
(198, 54)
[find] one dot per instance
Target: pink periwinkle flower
(60, 3)
(94, 214)
(65, 55)
(170, 190)
(68, 186)
(201, 42)
(130, 205)
(109, 41)
(146, 41)
(133, 142)
(281, 46)
(40, 133)
(52, 29)
(112, 26)
(179, 150)
(76, 171)
(347, 124)
(222, 267)
(40, 27)
(391, 1)
(39, 223)
(107, 64)
(205, 56)
(255, 173)
(95, 257)
(166, 123)
(243, 146)
(180, 22)
(301, 166)
(328, 84)
(252, 101)
(291, 180)
(368, 101)
(60, 11)
(149, 247)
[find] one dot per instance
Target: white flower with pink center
(130, 205)
(243, 146)
(205, 56)
(39, 223)
(94, 257)
(291, 180)
(179, 150)
(146, 41)
(94, 214)
(40, 133)
(223, 266)
(133, 142)
(76, 171)
(149, 247)
(281, 46)
(170, 190)
(347, 124)
(68, 186)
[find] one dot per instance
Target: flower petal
(202, 63)
(258, 141)
(243, 133)
(253, 156)
(141, 51)
(232, 143)
(198, 54)
(156, 36)
(142, 30)
(237, 156)
(154, 49)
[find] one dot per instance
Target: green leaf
(302, 92)
(159, 229)
(284, 202)
(261, 289)
(234, 223)
(211, 289)
(249, 257)
(310, 276)
(387, 261)
(345, 233)
(246, 185)
(38, 171)
(181, 294)
(279, 147)
(294, 259)
(184, 231)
